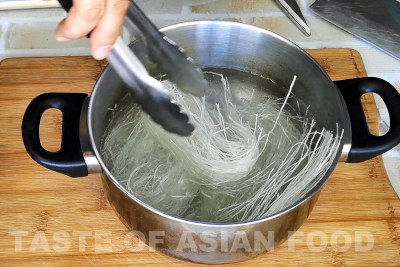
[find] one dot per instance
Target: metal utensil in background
(292, 10)
(375, 21)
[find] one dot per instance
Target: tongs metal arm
(147, 91)
(170, 58)
(131, 70)
(136, 20)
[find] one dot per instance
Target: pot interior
(241, 47)
(236, 46)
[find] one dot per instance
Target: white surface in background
(22, 4)
(26, 33)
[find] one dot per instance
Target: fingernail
(62, 39)
(102, 52)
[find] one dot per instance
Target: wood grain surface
(48, 219)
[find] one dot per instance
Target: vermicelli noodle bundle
(250, 155)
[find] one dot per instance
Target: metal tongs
(170, 59)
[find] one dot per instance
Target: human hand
(103, 19)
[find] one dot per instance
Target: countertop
(48, 219)
(30, 33)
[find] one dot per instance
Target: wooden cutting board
(50, 219)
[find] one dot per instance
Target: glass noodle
(250, 156)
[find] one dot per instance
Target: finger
(109, 28)
(82, 18)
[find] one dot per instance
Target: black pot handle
(69, 159)
(365, 145)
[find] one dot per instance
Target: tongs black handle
(66, 4)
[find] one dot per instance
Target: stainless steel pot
(216, 44)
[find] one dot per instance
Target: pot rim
(314, 191)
